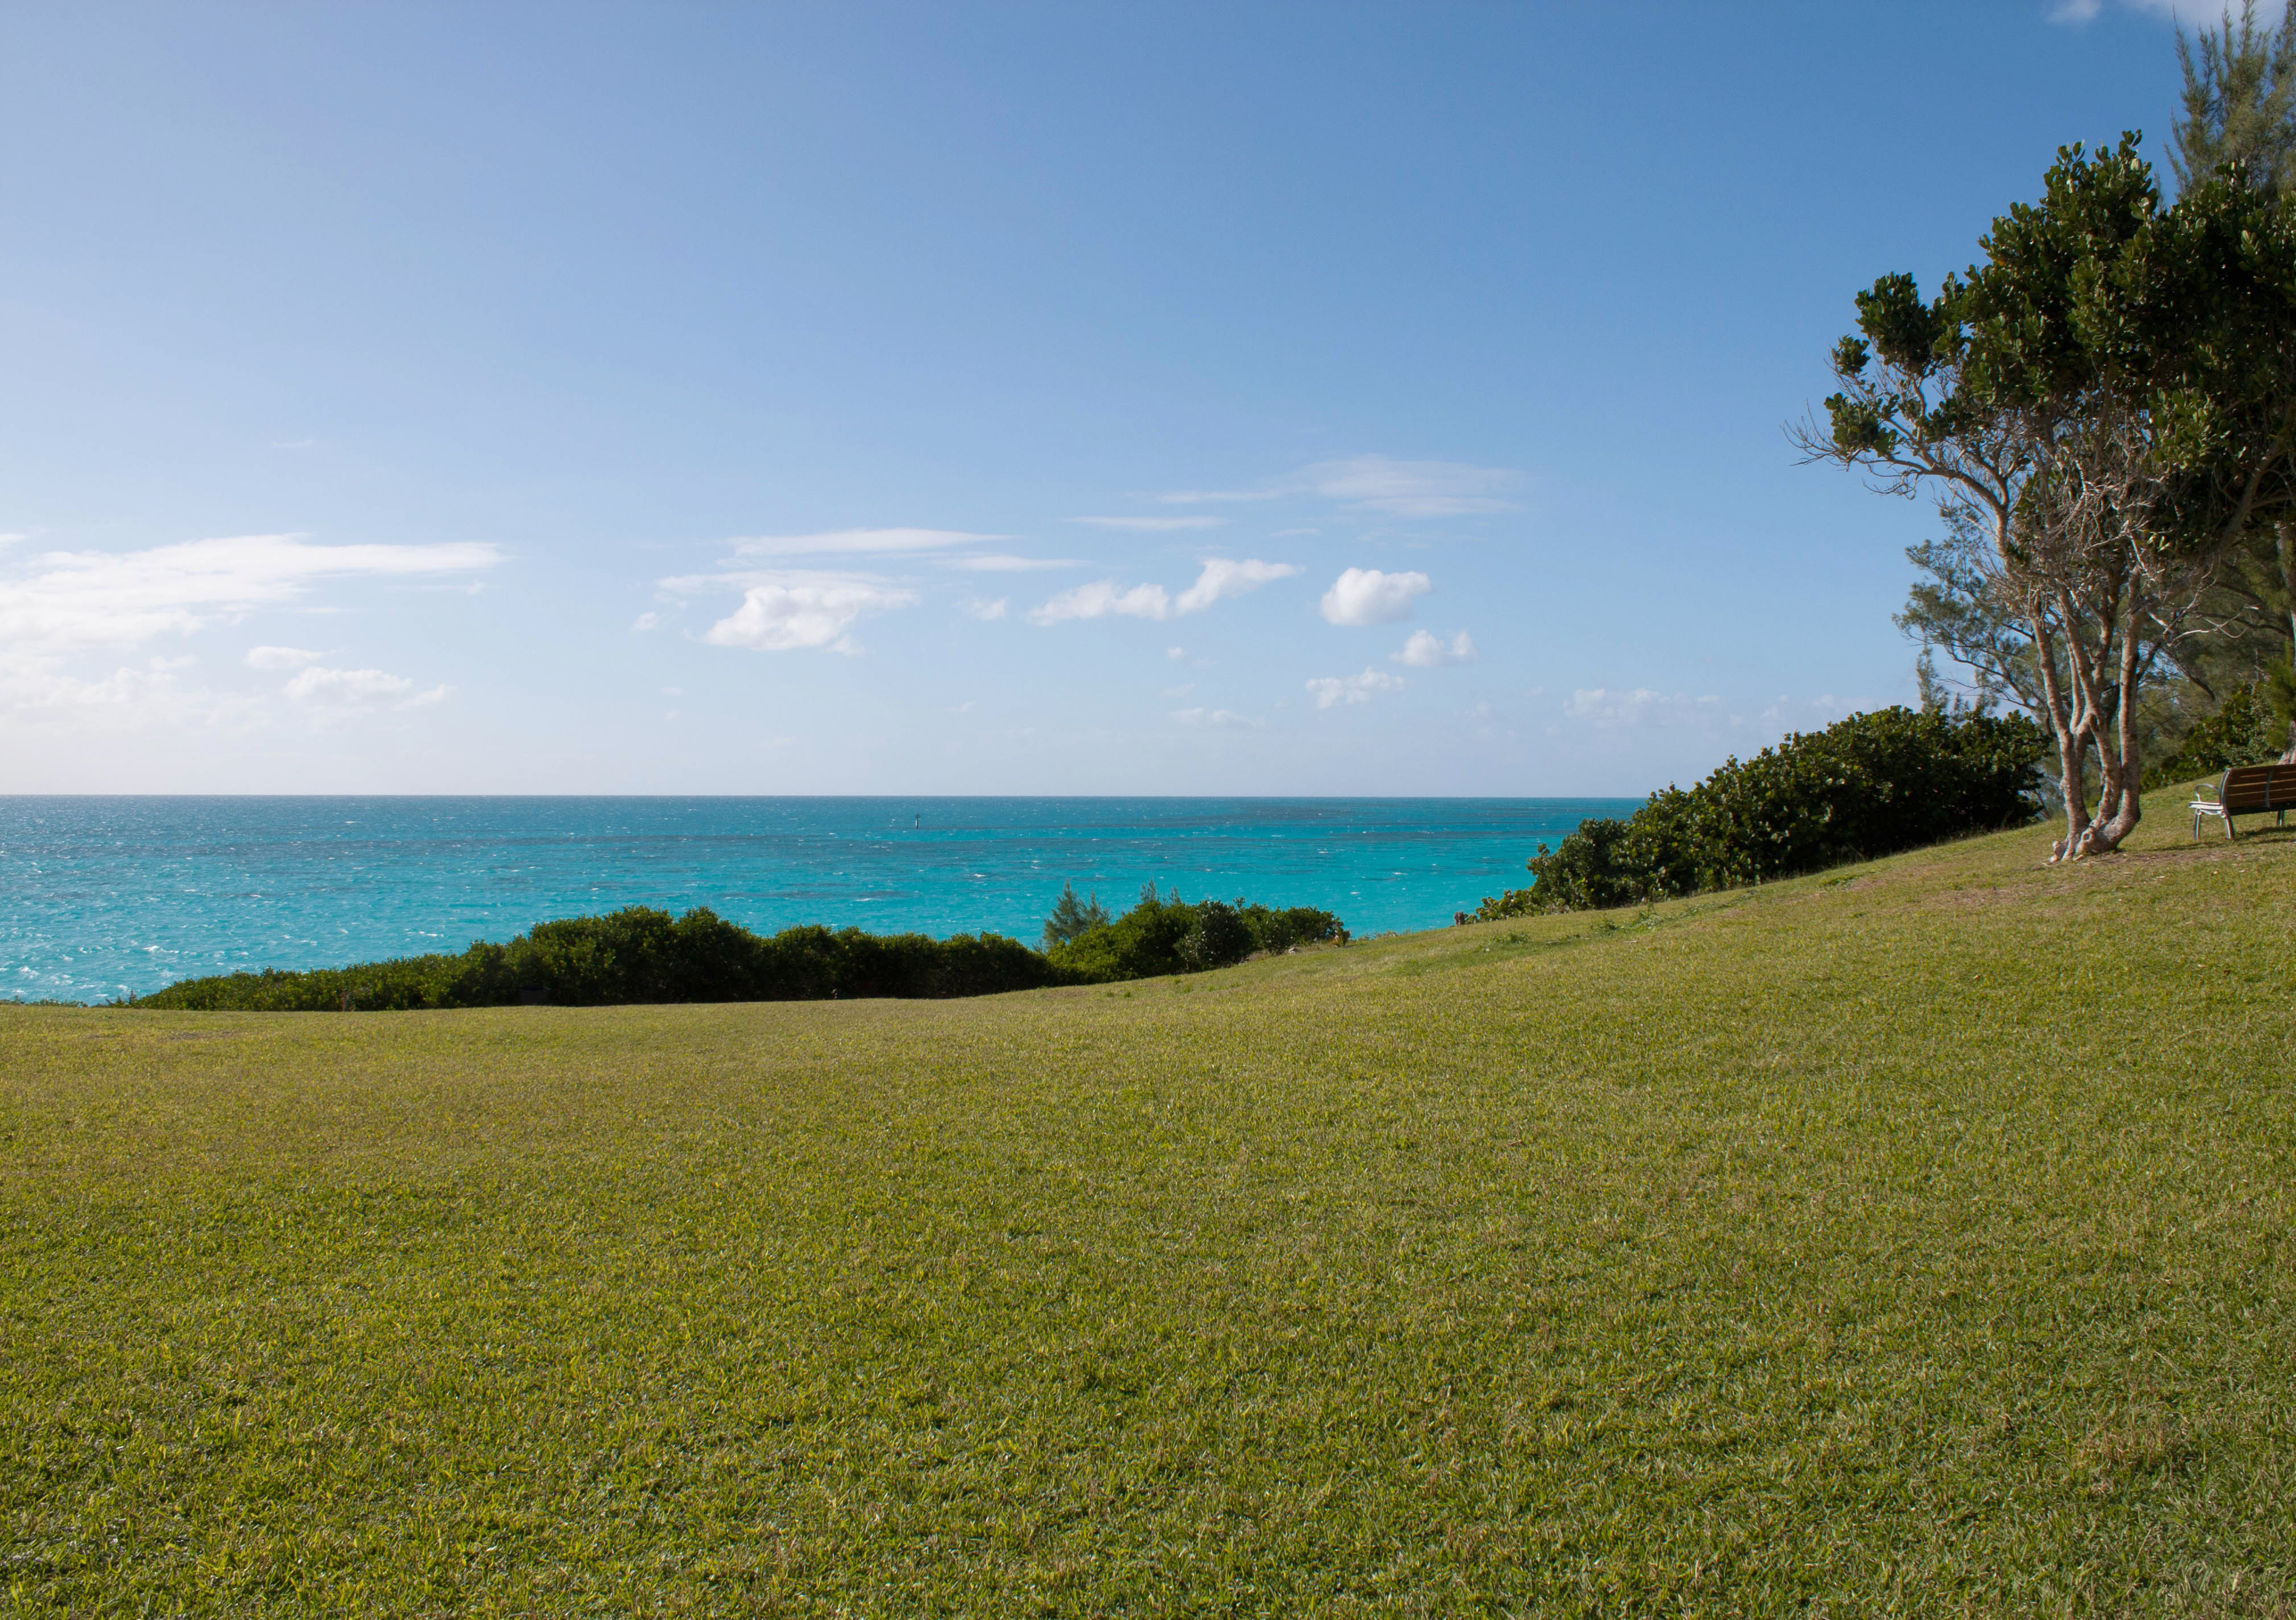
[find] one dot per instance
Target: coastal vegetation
(641, 953)
(1869, 785)
(1798, 1248)
(2104, 408)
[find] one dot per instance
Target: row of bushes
(644, 955)
(1867, 786)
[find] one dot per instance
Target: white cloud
(981, 610)
(1222, 579)
(673, 691)
(1353, 688)
(646, 621)
(1176, 652)
(1222, 719)
(1219, 579)
(279, 658)
(1642, 706)
(859, 542)
(348, 688)
(1153, 525)
(1382, 484)
(1367, 596)
(1181, 690)
(1101, 600)
(69, 600)
(9, 539)
(795, 611)
(998, 562)
(1425, 650)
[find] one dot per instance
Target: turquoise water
(104, 897)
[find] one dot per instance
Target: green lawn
(1911, 1240)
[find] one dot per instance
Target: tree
(2107, 398)
(1072, 917)
(2240, 109)
(2240, 102)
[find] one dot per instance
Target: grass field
(1912, 1239)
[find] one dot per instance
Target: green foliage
(1071, 917)
(638, 955)
(1866, 786)
(1168, 934)
(2240, 102)
(2249, 727)
(644, 955)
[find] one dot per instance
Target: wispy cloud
(359, 688)
(64, 600)
(1425, 650)
(1219, 579)
(279, 658)
(998, 562)
(1368, 596)
(1642, 706)
(1153, 525)
(1381, 483)
(976, 608)
(798, 611)
(646, 621)
(1329, 690)
(1101, 600)
(1219, 719)
(860, 542)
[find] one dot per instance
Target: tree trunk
(2124, 800)
(2072, 743)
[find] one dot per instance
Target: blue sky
(1001, 399)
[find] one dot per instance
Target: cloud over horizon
(1329, 690)
(76, 601)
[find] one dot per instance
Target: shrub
(2249, 727)
(643, 955)
(1161, 936)
(1866, 786)
(639, 954)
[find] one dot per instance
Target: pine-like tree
(1072, 917)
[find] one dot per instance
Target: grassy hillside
(1911, 1240)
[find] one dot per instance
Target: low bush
(644, 955)
(1162, 935)
(640, 954)
(1866, 786)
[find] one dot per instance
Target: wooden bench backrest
(2264, 787)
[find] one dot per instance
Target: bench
(2249, 790)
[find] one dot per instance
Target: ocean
(105, 896)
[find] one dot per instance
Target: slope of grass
(1911, 1240)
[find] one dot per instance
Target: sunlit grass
(1911, 1238)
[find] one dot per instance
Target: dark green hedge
(1863, 787)
(640, 954)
